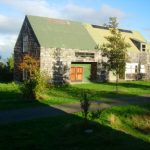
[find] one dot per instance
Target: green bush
(85, 105)
(34, 87)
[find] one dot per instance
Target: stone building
(66, 50)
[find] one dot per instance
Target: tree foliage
(30, 64)
(115, 50)
(36, 82)
(6, 69)
(85, 105)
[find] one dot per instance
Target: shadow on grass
(95, 95)
(14, 100)
(65, 132)
(133, 84)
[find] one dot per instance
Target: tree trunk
(117, 79)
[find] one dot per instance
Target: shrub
(85, 105)
(34, 87)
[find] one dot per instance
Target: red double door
(76, 74)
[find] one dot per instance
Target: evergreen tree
(115, 49)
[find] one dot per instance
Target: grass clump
(132, 119)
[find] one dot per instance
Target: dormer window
(25, 43)
(143, 47)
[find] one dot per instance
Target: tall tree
(115, 49)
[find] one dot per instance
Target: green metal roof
(100, 34)
(56, 33)
(60, 33)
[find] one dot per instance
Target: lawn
(120, 132)
(11, 98)
(131, 119)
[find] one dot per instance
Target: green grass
(11, 98)
(97, 91)
(131, 119)
(68, 133)
(137, 88)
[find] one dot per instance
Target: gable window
(143, 47)
(25, 43)
(24, 74)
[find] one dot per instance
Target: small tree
(36, 82)
(30, 64)
(115, 49)
(85, 104)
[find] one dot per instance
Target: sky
(131, 14)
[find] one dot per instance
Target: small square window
(143, 47)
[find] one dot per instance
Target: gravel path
(9, 116)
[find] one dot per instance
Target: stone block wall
(57, 62)
(142, 58)
(33, 49)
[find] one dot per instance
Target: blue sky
(131, 14)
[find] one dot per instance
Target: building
(66, 50)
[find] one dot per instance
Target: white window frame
(142, 69)
(25, 43)
(130, 68)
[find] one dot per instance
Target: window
(131, 68)
(25, 74)
(25, 43)
(142, 69)
(143, 47)
(84, 55)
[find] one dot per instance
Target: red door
(76, 74)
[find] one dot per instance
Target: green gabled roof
(99, 35)
(60, 33)
(56, 33)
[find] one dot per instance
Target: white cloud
(7, 42)
(68, 11)
(35, 7)
(91, 15)
(10, 26)
(109, 11)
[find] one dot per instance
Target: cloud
(109, 11)
(7, 42)
(35, 7)
(68, 11)
(91, 15)
(10, 26)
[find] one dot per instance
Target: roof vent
(57, 21)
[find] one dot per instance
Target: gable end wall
(33, 48)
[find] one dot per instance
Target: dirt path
(9, 116)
